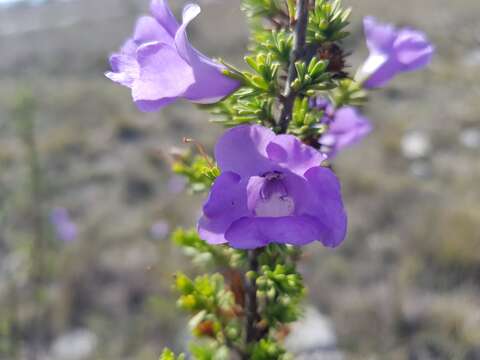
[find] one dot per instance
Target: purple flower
(346, 128)
(160, 230)
(272, 189)
(65, 229)
(392, 51)
(160, 65)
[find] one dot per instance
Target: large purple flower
(272, 190)
(392, 51)
(347, 127)
(160, 65)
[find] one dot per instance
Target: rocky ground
(405, 285)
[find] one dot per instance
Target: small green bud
(271, 293)
(184, 284)
(232, 333)
(251, 275)
(261, 282)
(187, 302)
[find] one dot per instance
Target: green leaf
(277, 43)
(204, 254)
(267, 349)
(348, 92)
(263, 8)
(209, 351)
(170, 355)
(327, 22)
(305, 122)
(199, 170)
(313, 77)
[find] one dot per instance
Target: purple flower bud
(323, 104)
(160, 65)
(392, 51)
(65, 229)
(272, 189)
(346, 128)
(319, 103)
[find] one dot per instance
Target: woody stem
(251, 305)
(297, 54)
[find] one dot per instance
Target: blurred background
(87, 200)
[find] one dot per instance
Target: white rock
(470, 138)
(416, 144)
(78, 344)
(313, 337)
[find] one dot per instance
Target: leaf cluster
(199, 170)
(348, 92)
(311, 78)
(277, 43)
(280, 288)
(209, 350)
(328, 21)
(305, 122)
(254, 101)
(264, 8)
(170, 355)
(215, 314)
(203, 253)
(271, 47)
(268, 349)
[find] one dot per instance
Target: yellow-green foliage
(169, 355)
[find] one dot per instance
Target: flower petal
(251, 233)
(242, 150)
(163, 74)
(226, 203)
(326, 205)
(153, 105)
(185, 49)
(298, 189)
(254, 189)
(380, 36)
(413, 49)
(210, 85)
(162, 12)
(348, 128)
(383, 73)
(148, 29)
(124, 65)
(296, 157)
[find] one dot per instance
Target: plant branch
(297, 54)
(251, 307)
